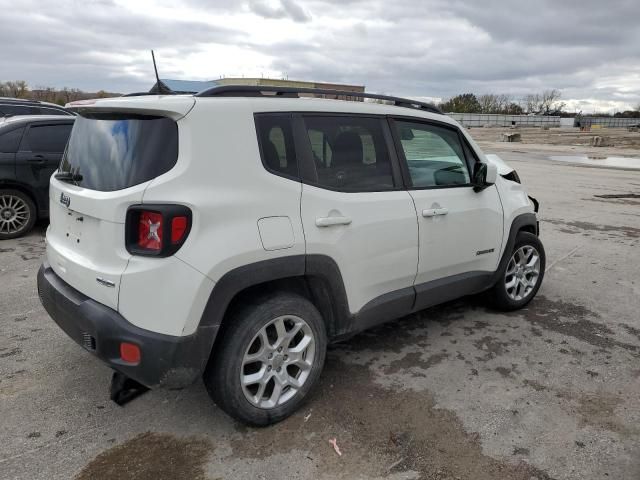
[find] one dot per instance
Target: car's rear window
(113, 152)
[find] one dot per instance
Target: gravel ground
(454, 392)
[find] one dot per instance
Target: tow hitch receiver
(124, 389)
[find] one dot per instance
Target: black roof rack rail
(294, 92)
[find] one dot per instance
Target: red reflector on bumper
(130, 352)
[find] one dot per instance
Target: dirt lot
(620, 138)
(455, 392)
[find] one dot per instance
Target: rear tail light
(150, 231)
(157, 230)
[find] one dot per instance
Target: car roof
(17, 119)
(26, 101)
(182, 104)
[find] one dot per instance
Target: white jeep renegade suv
(232, 234)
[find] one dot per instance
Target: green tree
(464, 103)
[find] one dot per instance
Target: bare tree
(16, 89)
(545, 103)
(551, 103)
(493, 103)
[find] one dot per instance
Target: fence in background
(482, 119)
(609, 122)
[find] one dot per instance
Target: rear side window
(113, 152)
(46, 138)
(277, 148)
(350, 153)
(10, 141)
(435, 156)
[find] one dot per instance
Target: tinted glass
(275, 135)
(10, 110)
(9, 140)
(113, 153)
(46, 138)
(434, 155)
(350, 153)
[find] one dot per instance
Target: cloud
(421, 48)
(280, 9)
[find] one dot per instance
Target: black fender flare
(521, 221)
(318, 274)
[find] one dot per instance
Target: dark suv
(16, 106)
(31, 148)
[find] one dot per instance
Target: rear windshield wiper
(68, 177)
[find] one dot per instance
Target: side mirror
(484, 175)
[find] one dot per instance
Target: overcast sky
(590, 50)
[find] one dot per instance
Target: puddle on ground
(603, 161)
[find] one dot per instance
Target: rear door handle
(331, 221)
(36, 159)
(433, 212)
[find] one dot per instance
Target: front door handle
(433, 212)
(331, 221)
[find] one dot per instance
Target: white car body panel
(449, 244)
(501, 165)
(377, 252)
(219, 175)
(85, 241)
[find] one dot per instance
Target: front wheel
(522, 275)
(267, 360)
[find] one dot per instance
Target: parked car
(30, 151)
(233, 234)
(18, 106)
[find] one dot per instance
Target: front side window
(46, 138)
(349, 153)
(116, 151)
(434, 154)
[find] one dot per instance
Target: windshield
(113, 152)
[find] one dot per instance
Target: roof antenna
(161, 86)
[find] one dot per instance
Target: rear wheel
(17, 214)
(268, 359)
(522, 276)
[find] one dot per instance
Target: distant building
(183, 86)
(194, 86)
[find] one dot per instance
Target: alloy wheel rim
(277, 362)
(523, 272)
(14, 213)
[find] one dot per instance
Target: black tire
(7, 195)
(498, 296)
(222, 375)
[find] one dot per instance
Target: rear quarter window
(10, 140)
